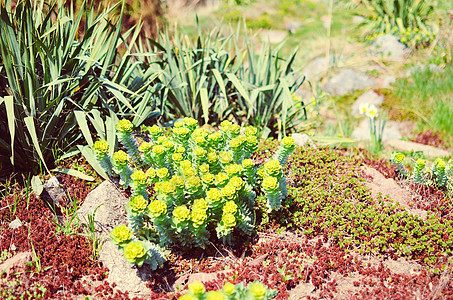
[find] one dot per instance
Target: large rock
(389, 47)
(427, 150)
(318, 67)
(109, 203)
(347, 81)
(362, 132)
(369, 97)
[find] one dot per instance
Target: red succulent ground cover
(314, 265)
(429, 138)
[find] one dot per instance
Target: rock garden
(226, 150)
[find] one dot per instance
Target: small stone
(357, 20)
(56, 192)
(369, 97)
(15, 264)
(16, 223)
(301, 139)
(427, 150)
(347, 81)
(390, 47)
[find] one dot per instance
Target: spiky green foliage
(56, 86)
(196, 178)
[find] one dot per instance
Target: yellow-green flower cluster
(236, 182)
(193, 183)
(248, 164)
(257, 290)
(213, 195)
(197, 288)
(178, 181)
(221, 179)
(270, 184)
(155, 131)
(120, 159)
(124, 126)
(226, 157)
(214, 295)
(228, 192)
(251, 130)
(198, 216)
(229, 288)
(138, 204)
(288, 143)
(228, 220)
(440, 164)
(157, 208)
(273, 168)
(398, 157)
(230, 207)
(133, 251)
(200, 152)
(162, 173)
(181, 213)
(121, 234)
(159, 150)
(204, 168)
(191, 123)
(233, 170)
(165, 187)
(101, 148)
(208, 178)
(139, 177)
(145, 147)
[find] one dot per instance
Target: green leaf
(29, 123)
(205, 104)
(9, 103)
(75, 173)
(82, 121)
(36, 185)
(91, 159)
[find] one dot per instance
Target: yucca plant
(407, 19)
(56, 86)
(193, 74)
(265, 85)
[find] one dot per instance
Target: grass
(427, 98)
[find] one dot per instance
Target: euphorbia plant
(187, 181)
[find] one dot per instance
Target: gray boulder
(107, 203)
(318, 67)
(347, 81)
(390, 47)
(427, 150)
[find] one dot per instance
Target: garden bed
(332, 239)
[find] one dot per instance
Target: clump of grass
(425, 97)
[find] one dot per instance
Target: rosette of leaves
(253, 291)
(203, 181)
